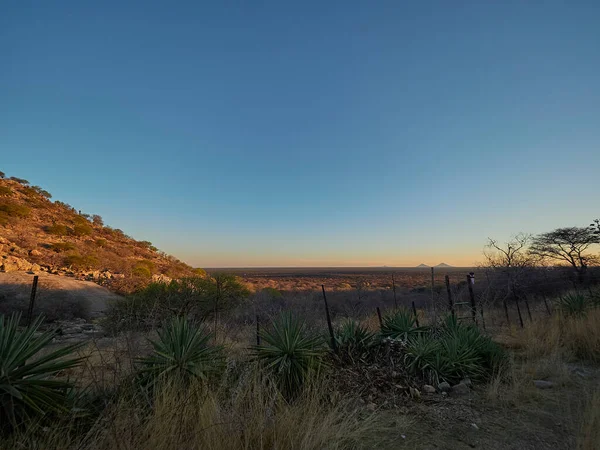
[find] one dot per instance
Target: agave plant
(28, 383)
(453, 351)
(400, 324)
(182, 353)
(353, 339)
(290, 353)
(575, 304)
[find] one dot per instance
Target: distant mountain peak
(422, 266)
(443, 265)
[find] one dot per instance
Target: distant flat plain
(343, 278)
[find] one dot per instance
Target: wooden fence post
(547, 307)
(481, 313)
(506, 311)
(415, 313)
(329, 325)
(394, 289)
(257, 331)
(470, 281)
(450, 302)
(32, 300)
(527, 306)
(519, 311)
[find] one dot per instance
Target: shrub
(101, 242)
(27, 384)
(64, 205)
(57, 229)
(10, 209)
(59, 247)
(82, 230)
(42, 192)
(19, 180)
(97, 220)
(199, 272)
(182, 353)
(2, 174)
(142, 271)
(5, 191)
(80, 262)
(289, 353)
(158, 302)
(271, 293)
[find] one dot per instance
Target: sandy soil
(17, 285)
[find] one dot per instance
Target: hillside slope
(37, 234)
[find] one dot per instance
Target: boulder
(35, 252)
(543, 384)
(72, 330)
(444, 387)
(460, 389)
(14, 264)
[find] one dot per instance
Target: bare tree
(570, 245)
(512, 259)
(510, 263)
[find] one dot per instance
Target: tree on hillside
(19, 180)
(570, 245)
(2, 174)
(97, 220)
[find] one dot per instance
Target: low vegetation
(183, 353)
(290, 353)
(29, 388)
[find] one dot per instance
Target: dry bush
(57, 229)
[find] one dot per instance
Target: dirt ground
(547, 419)
(52, 288)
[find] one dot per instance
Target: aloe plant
(28, 383)
(183, 352)
(289, 353)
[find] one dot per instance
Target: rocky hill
(41, 235)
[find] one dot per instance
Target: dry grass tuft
(244, 414)
(589, 435)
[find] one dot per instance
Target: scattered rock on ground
(415, 393)
(543, 384)
(428, 389)
(460, 389)
(444, 386)
(467, 382)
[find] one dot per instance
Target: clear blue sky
(308, 133)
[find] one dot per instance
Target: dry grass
(589, 436)
(244, 414)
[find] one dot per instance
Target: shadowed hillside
(41, 235)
